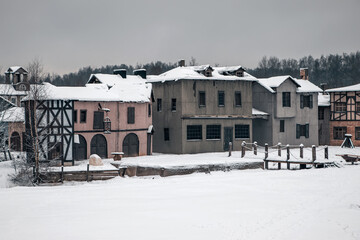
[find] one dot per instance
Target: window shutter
(297, 131)
(307, 130)
(301, 101)
(311, 101)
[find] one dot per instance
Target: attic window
(239, 73)
(208, 73)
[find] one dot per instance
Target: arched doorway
(15, 143)
(131, 145)
(98, 146)
(80, 149)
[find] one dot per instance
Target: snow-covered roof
(302, 85)
(112, 79)
(14, 69)
(351, 88)
(192, 73)
(14, 114)
(256, 112)
(223, 70)
(8, 89)
(323, 100)
(123, 91)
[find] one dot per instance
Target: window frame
(75, 115)
(302, 130)
(194, 130)
(221, 98)
(98, 116)
(286, 99)
(237, 100)
(83, 115)
(131, 115)
(282, 125)
(337, 131)
(239, 131)
(166, 134)
(213, 132)
(159, 104)
(357, 133)
(202, 99)
(340, 107)
(173, 104)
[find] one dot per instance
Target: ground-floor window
(213, 131)
(357, 133)
(242, 131)
(302, 130)
(339, 133)
(166, 134)
(194, 132)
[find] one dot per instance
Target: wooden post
(5, 155)
(266, 164)
(266, 150)
(279, 149)
(313, 153)
(87, 173)
(326, 152)
(9, 155)
(287, 152)
(62, 173)
(255, 148)
(301, 151)
(279, 165)
(243, 144)
(230, 147)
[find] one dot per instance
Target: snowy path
(250, 204)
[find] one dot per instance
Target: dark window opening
(82, 116)
(282, 125)
(166, 134)
(286, 99)
(98, 120)
(302, 130)
(75, 116)
(321, 113)
(221, 99)
(242, 131)
(130, 115)
(202, 102)
(194, 132)
(339, 133)
(173, 104)
(238, 99)
(149, 110)
(358, 107)
(159, 104)
(213, 131)
(340, 107)
(306, 101)
(357, 133)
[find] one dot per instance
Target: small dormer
(18, 77)
(232, 71)
(206, 70)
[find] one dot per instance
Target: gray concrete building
(292, 105)
(324, 118)
(201, 109)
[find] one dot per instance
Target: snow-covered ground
(249, 204)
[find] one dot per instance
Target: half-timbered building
(75, 122)
(345, 114)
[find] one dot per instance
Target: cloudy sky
(67, 35)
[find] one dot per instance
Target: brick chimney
(121, 72)
(181, 63)
(141, 73)
(304, 73)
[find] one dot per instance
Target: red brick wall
(350, 128)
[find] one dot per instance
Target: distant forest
(334, 70)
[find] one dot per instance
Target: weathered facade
(292, 108)
(201, 109)
(344, 114)
(324, 118)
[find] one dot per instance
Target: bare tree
(36, 71)
(193, 62)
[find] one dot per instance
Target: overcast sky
(67, 35)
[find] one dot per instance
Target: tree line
(334, 70)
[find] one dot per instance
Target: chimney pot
(304, 73)
(181, 63)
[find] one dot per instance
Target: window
(357, 133)
(98, 120)
(286, 99)
(321, 113)
(242, 131)
(149, 110)
(202, 102)
(130, 115)
(237, 99)
(302, 130)
(221, 98)
(306, 101)
(282, 125)
(13, 100)
(166, 134)
(194, 132)
(159, 104)
(213, 131)
(358, 107)
(339, 133)
(173, 104)
(75, 116)
(340, 107)
(82, 116)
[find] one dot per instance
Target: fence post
(243, 144)
(326, 152)
(279, 149)
(62, 173)
(230, 147)
(266, 150)
(313, 153)
(87, 173)
(287, 152)
(301, 150)
(255, 148)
